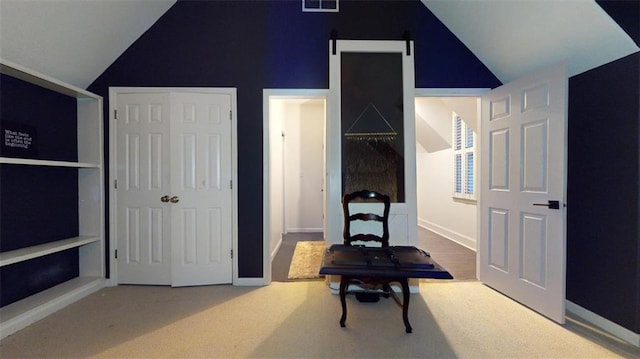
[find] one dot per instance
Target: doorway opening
(440, 216)
(440, 208)
(448, 220)
(294, 173)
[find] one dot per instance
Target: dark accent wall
(603, 234)
(253, 45)
(626, 13)
(50, 114)
(38, 204)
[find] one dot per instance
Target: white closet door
(201, 188)
(142, 130)
(174, 196)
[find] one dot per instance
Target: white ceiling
(76, 40)
(73, 40)
(515, 38)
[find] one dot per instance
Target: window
(464, 164)
(320, 5)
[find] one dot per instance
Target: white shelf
(42, 80)
(90, 242)
(40, 250)
(31, 162)
(20, 314)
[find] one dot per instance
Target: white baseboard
(276, 249)
(604, 324)
(250, 282)
(449, 234)
(304, 230)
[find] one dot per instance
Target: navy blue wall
(37, 204)
(252, 45)
(603, 234)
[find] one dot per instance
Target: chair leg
(386, 288)
(405, 304)
(344, 282)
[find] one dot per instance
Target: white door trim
(451, 92)
(266, 201)
(113, 225)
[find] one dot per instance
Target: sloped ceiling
(73, 40)
(514, 38)
(76, 40)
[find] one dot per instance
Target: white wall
(303, 149)
(437, 210)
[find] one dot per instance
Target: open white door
(522, 248)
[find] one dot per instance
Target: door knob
(551, 204)
(174, 199)
(164, 199)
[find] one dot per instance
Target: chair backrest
(366, 196)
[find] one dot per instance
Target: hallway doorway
(430, 231)
(446, 166)
(294, 166)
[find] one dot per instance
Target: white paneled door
(174, 197)
(144, 247)
(522, 246)
(201, 182)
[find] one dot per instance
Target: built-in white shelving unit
(90, 241)
(25, 161)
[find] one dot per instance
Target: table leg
(344, 282)
(405, 304)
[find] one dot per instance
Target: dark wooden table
(390, 264)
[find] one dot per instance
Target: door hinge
(232, 254)
(115, 114)
(115, 184)
(230, 115)
(231, 184)
(116, 254)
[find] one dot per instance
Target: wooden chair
(369, 289)
(374, 268)
(382, 217)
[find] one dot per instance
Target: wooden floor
(458, 260)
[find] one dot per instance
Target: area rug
(306, 261)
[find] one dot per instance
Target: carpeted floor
(300, 320)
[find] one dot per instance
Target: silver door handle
(164, 199)
(174, 199)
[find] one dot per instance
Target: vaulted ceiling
(514, 38)
(75, 41)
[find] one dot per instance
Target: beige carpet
(306, 261)
(299, 319)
